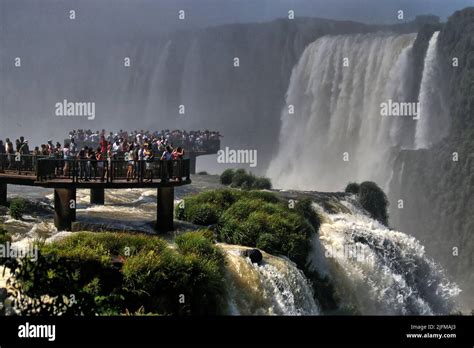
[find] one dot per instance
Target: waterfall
(158, 82)
(377, 270)
(374, 270)
(275, 287)
(433, 124)
(337, 132)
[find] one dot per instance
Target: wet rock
(254, 255)
(3, 297)
(3, 210)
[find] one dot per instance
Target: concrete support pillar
(165, 209)
(98, 196)
(192, 163)
(64, 208)
(3, 194)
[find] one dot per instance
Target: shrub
(374, 200)
(4, 236)
(202, 173)
(150, 279)
(352, 187)
(261, 219)
(206, 207)
(196, 272)
(261, 183)
(87, 274)
(269, 243)
(17, 208)
(248, 219)
(119, 244)
(199, 243)
(226, 176)
(240, 177)
(204, 214)
(243, 208)
(269, 197)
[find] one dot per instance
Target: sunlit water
(388, 272)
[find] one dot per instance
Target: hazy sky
(64, 58)
(150, 15)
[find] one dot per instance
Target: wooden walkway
(66, 176)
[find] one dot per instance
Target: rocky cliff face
(436, 188)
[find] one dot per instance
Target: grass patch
(109, 273)
(258, 219)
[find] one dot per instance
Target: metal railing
(50, 168)
(19, 164)
(112, 170)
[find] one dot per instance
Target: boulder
(254, 255)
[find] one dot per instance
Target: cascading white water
(276, 287)
(158, 82)
(377, 270)
(337, 133)
(433, 124)
(380, 272)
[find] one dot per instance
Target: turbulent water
(275, 287)
(374, 270)
(337, 133)
(377, 270)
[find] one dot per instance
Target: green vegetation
(17, 208)
(226, 176)
(257, 219)
(204, 214)
(263, 220)
(242, 179)
(202, 173)
(353, 188)
(109, 274)
(372, 199)
(4, 236)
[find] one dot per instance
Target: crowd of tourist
(199, 140)
(94, 158)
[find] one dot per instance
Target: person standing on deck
(168, 158)
(130, 156)
(81, 156)
(67, 157)
(3, 155)
(100, 157)
(148, 163)
(10, 151)
(73, 148)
